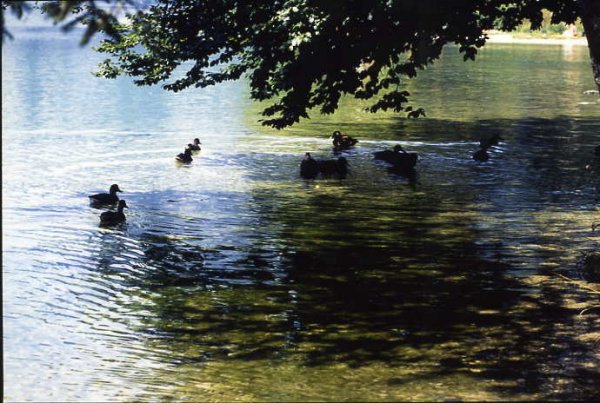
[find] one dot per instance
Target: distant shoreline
(508, 38)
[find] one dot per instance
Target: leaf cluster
(301, 55)
(95, 15)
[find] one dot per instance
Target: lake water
(234, 279)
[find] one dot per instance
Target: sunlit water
(235, 279)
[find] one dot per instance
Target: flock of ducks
(110, 198)
(402, 162)
(186, 156)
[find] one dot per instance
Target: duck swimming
(185, 156)
(195, 146)
(337, 167)
(114, 217)
(106, 198)
(309, 167)
(398, 157)
(489, 141)
(341, 141)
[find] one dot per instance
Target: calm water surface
(233, 279)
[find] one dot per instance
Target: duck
(337, 167)
(342, 167)
(341, 141)
(185, 156)
(195, 146)
(481, 155)
(309, 167)
(397, 157)
(114, 217)
(106, 198)
(388, 155)
(490, 141)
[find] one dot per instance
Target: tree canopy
(302, 55)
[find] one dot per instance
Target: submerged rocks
(589, 264)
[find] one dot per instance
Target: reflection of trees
(486, 94)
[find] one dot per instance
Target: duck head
(398, 148)
(114, 189)
(122, 205)
(307, 156)
(197, 142)
(336, 134)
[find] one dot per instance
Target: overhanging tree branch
(305, 54)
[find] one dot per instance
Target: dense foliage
(96, 15)
(301, 54)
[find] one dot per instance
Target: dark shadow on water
(359, 276)
(409, 174)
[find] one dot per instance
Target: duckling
(309, 167)
(337, 167)
(342, 141)
(114, 217)
(106, 198)
(185, 157)
(481, 155)
(195, 146)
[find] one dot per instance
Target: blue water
(235, 279)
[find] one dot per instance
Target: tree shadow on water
(365, 278)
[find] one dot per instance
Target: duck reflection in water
(114, 217)
(405, 172)
(481, 155)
